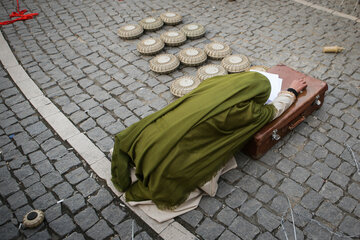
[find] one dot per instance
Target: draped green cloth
(182, 146)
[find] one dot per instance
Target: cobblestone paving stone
(32, 178)
(104, 85)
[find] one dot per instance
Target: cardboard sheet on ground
(275, 82)
(150, 209)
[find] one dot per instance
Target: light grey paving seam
(325, 9)
(97, 160)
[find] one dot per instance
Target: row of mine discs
(173, 38)
(132, 31)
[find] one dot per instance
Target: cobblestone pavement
(39, 171)
(103, 85)
(351, 7)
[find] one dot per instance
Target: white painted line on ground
(62, 126)
(177, 233)
(83, 145)
(97, 160)
(328, 10)
(7, 57)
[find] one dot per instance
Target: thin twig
(354, 157)
(292, 217)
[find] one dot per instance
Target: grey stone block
(192, 218)
(330, 213)
(250, 207)
(348, 204)
(36, 157)
(249, 184)
(280, 204)
(87, 187)
(8, 187)
(272, 178)
(354, 190)
(350, 226)
(285, 165)
(244, 229)
(339, 179)
(49, 144)
(331, 192)
(113, 214)
(44, 167)
(76, 175)
(53, 213)
(210, 205)
(122, 112)
(8, 231)
(74, 203)
(304, 159)
(236, 198)
(265, 193)
(96, 112)
(332, 161)
(334, 147)
(51, 179)
(267, 219)
(63, 190)
(35, 190)
(232, 175)
(43, 235)
(321, 169)
(29, 147)
(209, 229)
(300, 174)
(86, 218)
(224, 189)
(292, 188)
(101, 199)
(100, 230)
(66, 162)
(96, 134)
(63, 225)
(31, 180)
(45, 201)
(36, 129)
(23, 172)
(6, 214)
(226, 216)
(311, 200)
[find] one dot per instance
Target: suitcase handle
(294, 125)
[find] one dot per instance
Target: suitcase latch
(275, 136)
(317, 100)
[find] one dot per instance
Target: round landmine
(184, 85)
(171, 18)
(173, 38)
(150, 46)
(164, 63)
(259, 68)
(217, 50)
(236, 63)
(192, 56)
(151, 23)
(33, 219)
(193, 30)
(210, 70)
(130, 31)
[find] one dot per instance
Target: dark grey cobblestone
(103, 85)
(53, 179)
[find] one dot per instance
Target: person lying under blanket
(185, 145)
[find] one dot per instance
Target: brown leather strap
(294, 125)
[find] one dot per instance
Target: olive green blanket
(182, 146)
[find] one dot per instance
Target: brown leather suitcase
(308, 101)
